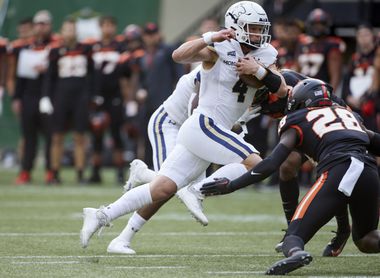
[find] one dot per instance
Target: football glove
(219, 186)
(45, 106)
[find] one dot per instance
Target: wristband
(207, 37)
(261, 72)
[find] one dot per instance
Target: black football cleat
(295, 261)
(336, 245)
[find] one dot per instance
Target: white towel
(348, 182)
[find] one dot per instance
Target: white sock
(230, 171)
(135, 223)
(148, 175)
(132, 200)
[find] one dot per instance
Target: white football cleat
(136, 170)
(193, 201)
(118, 246)
(93, 220)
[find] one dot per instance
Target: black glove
(219, 186)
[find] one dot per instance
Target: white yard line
(147, 267)
(47, 262)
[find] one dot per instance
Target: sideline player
(347, 175)
(224, 97)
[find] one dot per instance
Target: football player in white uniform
(163, 129)
(242, 49)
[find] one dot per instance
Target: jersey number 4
(241, 89)
(326, 121)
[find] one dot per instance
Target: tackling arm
(261, 171)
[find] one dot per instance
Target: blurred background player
(158, 75)
(319, 53)
(358, 80)
(31, 68)
(68, 84)
(107, 101)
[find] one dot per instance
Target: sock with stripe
(135, 223)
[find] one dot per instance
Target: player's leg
(96, 157)
(364, 211)
(288, 184)
(56, 155)
(29, 126)
(162, 135)
(218, 145)
(179, 169)
(116, 115)
(316, 208)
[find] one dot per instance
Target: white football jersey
(176, 105)
(223, 97)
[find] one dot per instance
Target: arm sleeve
(262, 170)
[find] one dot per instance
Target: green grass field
(39, 235)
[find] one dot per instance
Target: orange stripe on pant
(306, 201)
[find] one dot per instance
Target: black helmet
(292, 77)
(318, 16)
(310, 92)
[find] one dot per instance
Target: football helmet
(241, 15)
(310, 92)
(318, 23)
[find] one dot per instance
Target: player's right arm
(197, 51)
(374, 142)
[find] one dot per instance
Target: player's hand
(219, 186)
(249, 114)
(247, 65)
(223, 35)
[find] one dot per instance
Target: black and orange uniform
(357, 83)
(68, 83)
(312, 55)
(13, 52)
(346, 173)
(107, 88)
(29, 91)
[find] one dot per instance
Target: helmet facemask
(245, 35)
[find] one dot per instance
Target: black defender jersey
(328, 135)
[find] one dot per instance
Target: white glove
(251, 113)
(45, 106)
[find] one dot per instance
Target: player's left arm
(258, 173)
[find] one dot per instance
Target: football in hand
(251, 81)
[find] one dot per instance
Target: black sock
(96, 169)
(290, 192)
(342, 220)
(292, 244)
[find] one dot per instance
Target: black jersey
(106, 59)
(328, 135)
(313, 56)
(70, 69)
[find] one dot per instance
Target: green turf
(39, 228)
